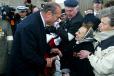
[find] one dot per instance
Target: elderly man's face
(51, 18)
(71, 11)
(80, 33)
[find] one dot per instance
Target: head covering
(88, 37)
(98, 1)
(21, 8)
(71, 3)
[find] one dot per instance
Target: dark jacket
(29, 47)
(68, 26)
(81, 67)
(93, 19)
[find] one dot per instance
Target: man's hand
(56, 51)
(49, 62)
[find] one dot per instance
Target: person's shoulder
(78, 17)
(29, 22)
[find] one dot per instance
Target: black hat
(98, 1)
(71, 3)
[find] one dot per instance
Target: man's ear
(48, 13)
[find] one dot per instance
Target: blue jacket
(29, 48)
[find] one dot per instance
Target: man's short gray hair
(50, 6)
(108, 12)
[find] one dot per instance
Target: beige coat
(102, 60)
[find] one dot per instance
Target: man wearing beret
(67, 31)
(73, 21)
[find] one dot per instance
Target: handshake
(50, 60)
(57, 57)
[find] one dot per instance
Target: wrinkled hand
(56, 51)
(83, 54)
(49, 62)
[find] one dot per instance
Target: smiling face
(80, 33)
(84, 31)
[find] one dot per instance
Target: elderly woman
(84, 40)
(102, 60)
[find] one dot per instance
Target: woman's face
(80, 33)
(105, 24)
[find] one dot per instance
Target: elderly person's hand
(56, 51)
(83, 54)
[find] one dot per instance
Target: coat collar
(100, 36)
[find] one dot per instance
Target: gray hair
(50, 6)
(108, 12)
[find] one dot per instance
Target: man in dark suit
(29, 45)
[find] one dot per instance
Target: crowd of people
(51, 41)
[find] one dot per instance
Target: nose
(76, 33)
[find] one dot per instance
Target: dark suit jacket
(70, 26)
(29, 47)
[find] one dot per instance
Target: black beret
(98, 1)
(71, 3)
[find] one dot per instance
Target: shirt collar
(42, 19)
